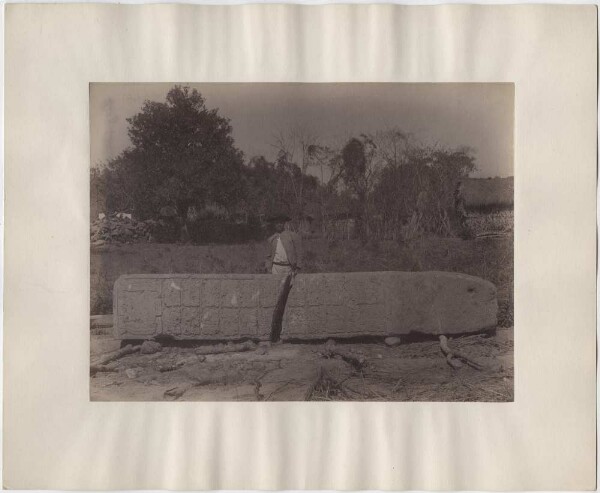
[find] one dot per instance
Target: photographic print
(301, 242)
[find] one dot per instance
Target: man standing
(285, 252)
(285, 257)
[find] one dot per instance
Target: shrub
(215, 230)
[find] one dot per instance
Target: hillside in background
(483, 194)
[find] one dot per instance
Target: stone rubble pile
(120, 229)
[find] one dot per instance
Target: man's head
(279, 223)
(279, 226)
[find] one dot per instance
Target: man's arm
(269, 257)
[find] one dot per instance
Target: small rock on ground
(393, 341)
(150, 347)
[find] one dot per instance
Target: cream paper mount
(55, 438)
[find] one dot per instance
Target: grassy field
(490, 258)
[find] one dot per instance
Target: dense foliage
(182, 155)
(183, 158)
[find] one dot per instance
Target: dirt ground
(415, 370)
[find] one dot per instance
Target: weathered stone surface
(320, 306)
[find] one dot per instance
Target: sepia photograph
(301, 242)
(293, 247)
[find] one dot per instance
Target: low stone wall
(232, 306)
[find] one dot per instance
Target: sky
(480, 116)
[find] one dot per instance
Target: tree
(359, 173)
(420, 185)
(298, 145)
(182, 155)
(327, 160)
(273, 188)
(392, 146)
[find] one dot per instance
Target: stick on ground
(356, 363)
(453, 353)
(226, 348)
(100, 365)
(102, 369)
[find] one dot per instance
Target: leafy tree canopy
(182, 154)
